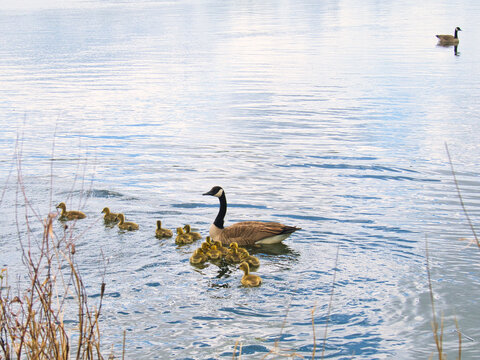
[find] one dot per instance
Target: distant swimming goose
(247, 278)
(69, 215)
(126, 225)
(246, 232)
(162, 233)
(109, 216)
(194, 235)
(449, 39)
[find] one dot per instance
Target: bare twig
(330, 303)
(438, 338)
(460, 197)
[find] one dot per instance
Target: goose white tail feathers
(247, 232)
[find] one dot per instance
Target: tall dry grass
(438, 326)
(47, 314)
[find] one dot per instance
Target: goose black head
(458, 29)
(216, 191)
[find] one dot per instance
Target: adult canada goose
(246, 232)
(109, 217)
(449, 39)
(162, 233)
(194, 235)
(69, 215)
(247, 278)
(126, 225)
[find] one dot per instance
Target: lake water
(328, 115)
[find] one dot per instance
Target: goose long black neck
(221, 213)
(456, 34)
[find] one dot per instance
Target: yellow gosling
(242, 252)
(109, 217)
(126, 225)
(205, 248)
(233, 256)
(69, 215)
(248, 279)
(214, 253)
(182, 238)
(221, 248)
(198, 257)
(162, 233)
(209, 241)
(207, 244)
(252, 261)
(194, 235)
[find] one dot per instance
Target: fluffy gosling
(126, 225)
(248, 279)
(162, 233)
(69, 215)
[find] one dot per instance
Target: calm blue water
(332, 116)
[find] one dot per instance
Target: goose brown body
(69, 215)
(449, 39)
(246, 232)
(126, 225)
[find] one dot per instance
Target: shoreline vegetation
(51, 316)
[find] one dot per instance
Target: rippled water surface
(328, 115)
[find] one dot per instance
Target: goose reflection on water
(455, 48)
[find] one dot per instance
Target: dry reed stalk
(32, 322)
(459, 340)
(288, 353)
(459, 194)
(435, 327)
(312, 312)
(330, 303)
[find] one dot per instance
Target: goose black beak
(214, 191)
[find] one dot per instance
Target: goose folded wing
(249, 232)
